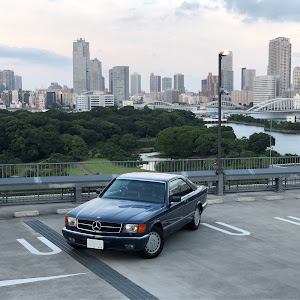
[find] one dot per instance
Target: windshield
(136, 190)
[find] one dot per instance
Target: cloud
(187, 8)
(274, 10)
(34, 56)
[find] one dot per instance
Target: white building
(227, 72)
(280, 62)
(247, 79)
(265, 88)
(296, 78)
(89, 100)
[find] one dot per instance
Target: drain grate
(105, 272)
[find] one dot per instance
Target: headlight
(135, 228)
(131, 228)
(71, 221)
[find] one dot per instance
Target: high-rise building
(8, 80)
(120, 76)
(96, 78)
(81, 66)
(203, 87)
(247, 79)
(280, 62)
(179, 82)
(212, 85)
(155, 83)
(135, 84)
(18, 82)
(166, 83)
(227, 72)
(265, 88)
(110, 79)
(296, 79)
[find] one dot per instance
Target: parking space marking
(37, 279)
(121, 283)
(33, 250)
(242, 231)
(289, 221)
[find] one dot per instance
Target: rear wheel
(155, 243)
(195, 223)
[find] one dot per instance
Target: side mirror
(98, 192)
(175, 198)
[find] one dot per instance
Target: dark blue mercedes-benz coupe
(135, 212)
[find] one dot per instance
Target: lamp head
(225, 53)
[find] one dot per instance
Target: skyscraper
(296, 79)
(227, 72)
(120, 76)
(166, 83)
(280, 62)
(179, 82)
(135, 82)
(8, 80)
(110, 79)
(247, 79)
(155, 83)
(265, 88)
(18, 82)
(81, 66)
(96, 78)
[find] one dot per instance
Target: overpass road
(246, 248)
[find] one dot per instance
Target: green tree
(259, 142)
(128, 142)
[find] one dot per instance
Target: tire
(154, 245)
(195, 223)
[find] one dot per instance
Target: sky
(160, 36)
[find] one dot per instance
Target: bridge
(277, 105)
(224, 103)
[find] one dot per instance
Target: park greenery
(282, 126)
(57, 136)
(117, 134)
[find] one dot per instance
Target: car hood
(114, 210)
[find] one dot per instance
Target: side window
(179, 187)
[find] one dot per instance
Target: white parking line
(289, 221)
(242, 232)
(33, 250)
(29, 280)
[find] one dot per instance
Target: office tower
(203, 87)
(135, 83)
(120, 76)
(247, 79)
(280, 62)
(296, 79)
(96, 78)
(179, 83)
(265, 88)
(212, 85)
(8, 80)
(18, 82)
(81, 66)
(155, 83)
(110, 79)
(166, 83)
(227, 72)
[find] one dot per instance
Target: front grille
(105, 226)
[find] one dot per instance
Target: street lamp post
(221, 92)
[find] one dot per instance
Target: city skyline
(185, 37)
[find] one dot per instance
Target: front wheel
(155, 243)
(195, 223)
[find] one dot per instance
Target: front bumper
(110, 242)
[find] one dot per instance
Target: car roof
(163, 177)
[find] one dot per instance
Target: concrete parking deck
(246, 248)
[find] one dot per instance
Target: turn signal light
(141, 228)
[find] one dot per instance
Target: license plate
(94, 244)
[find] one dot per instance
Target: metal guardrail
(120, 167)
